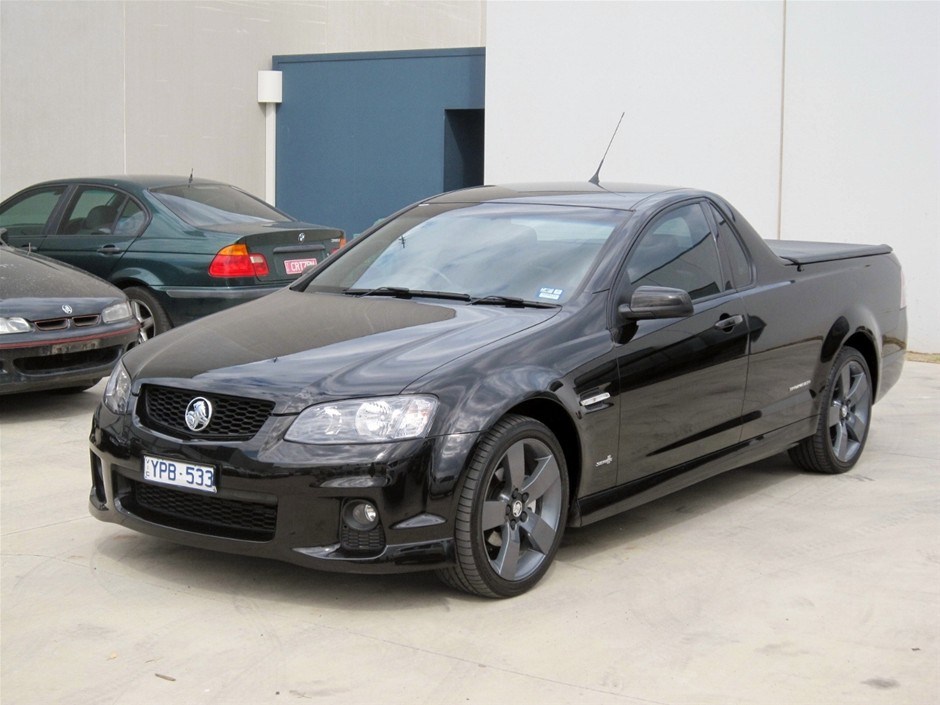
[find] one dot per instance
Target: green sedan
(179, 247)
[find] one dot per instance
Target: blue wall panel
(361, 135)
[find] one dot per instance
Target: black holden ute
(488, 367)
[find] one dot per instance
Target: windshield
(202, 205)
(535, 253)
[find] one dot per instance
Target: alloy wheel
(849, 411)
(521, 512)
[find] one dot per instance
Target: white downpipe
(270, 152)
(270, 94)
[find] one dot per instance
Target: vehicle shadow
(579, 544)
(236, 577)
(27, 407)
(244, 578)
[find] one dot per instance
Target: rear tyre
(148, 312)
(511, 510)
(844, 420)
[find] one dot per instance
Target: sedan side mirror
(3, 236)
(656, 302)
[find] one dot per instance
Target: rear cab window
(735, 261)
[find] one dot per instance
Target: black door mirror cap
(656, 302)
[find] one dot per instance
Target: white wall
(821, 115)
(715, 93)
(92, 88)
(699, 84)
(861, 159)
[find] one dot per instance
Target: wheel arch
(134, 277)
(862, 341)
(557, 420)
(860, 337)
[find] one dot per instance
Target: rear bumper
(893, 352)
(242, 293)
(185, 304)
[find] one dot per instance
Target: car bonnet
(297, 348)
(34, 276)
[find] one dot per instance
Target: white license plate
(179, 473)
(296, 266)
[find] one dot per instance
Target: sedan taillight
(236, 261)
(339, 244)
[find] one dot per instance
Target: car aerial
(489, 366)
(60, 328)
(179, 247)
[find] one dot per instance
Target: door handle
(730, 322)
(109, 249)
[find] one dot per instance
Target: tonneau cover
(802, 252)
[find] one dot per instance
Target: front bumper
(75, 358)
(284, 500)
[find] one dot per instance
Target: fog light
(361, 516)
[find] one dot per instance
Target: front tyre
(843, 422)
(511, 510)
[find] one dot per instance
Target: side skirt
(587, 510)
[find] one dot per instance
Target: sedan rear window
(204, 205)
(537, 253)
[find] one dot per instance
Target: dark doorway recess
(463, 149)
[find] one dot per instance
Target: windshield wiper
(510, 302)
(401, 292)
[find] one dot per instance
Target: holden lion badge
(198, 414)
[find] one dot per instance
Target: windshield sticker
(549, 293)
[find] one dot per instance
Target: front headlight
(117, 312)
(14, 325)
(364, 420)
(117, 393)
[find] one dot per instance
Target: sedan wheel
(148, 312)
(843, 424)
(511, 512)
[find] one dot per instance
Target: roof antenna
(597, 174)
(193, 169)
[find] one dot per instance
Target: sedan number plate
(296, 266)
(65, 348)
(179, 474)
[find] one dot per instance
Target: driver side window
(677, 250)
(28, 215)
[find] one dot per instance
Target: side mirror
(3, 236)
(656, 302)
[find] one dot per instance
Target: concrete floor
(764, 585)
